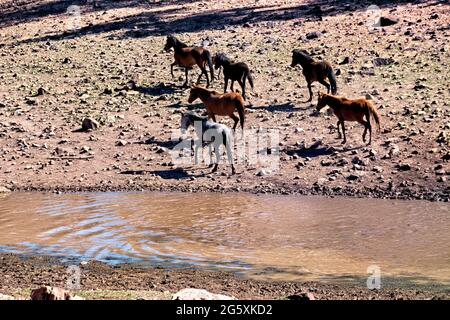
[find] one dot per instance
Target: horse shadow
(159, 89)
(177, 173)
(282, 107)
(313, 152)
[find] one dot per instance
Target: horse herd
(226, 103)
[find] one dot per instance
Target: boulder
(199, 294)
(49, 293)
(52, 293)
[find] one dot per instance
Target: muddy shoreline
(22, 273)
(401, 194)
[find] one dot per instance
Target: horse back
(188, 56)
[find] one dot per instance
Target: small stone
(302, 296)
(404, 167)
(263, 173)
(377, 169)
(313, 35)
(89, 124)
(4, 190)
(386, 21)
(378, 62)
(121, 143)
(352, 177)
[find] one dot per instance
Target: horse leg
(242, 84)
(326, 84)
(365, 124)
(207, 77)
(217, 152)
(212, 116)
(339, 130)
(310, 92)
(226, 84)
(199, 78)
(186, 73)
(343, 130)
(171, 69)
(368, 126)
(210, 151)
(236, 120)
(229, 154)
(196, 153)
(232, 86)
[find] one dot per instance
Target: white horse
(209, 134)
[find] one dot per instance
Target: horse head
(170, 43)
(193, 95)
(321, 102)
(300, 57)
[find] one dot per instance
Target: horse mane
(222, 58)
(177, 42)
(195, 116)
(302, 55)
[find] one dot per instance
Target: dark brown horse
(351, 110)
(187, 57)
(220, 104)
(238, 71)
(315, 71)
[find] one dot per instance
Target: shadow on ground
(156, 23)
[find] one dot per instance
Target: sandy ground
(85, 74)
(99, 281)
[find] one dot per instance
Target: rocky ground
(100, 281)
(113, 69)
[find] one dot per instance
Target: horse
(188, 57)
(220, 104)
(351, 110)
(209, 133)
(238, 71)
(315, 71)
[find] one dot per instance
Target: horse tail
(373, 114)
(207, 56)
(250, 80)
(332, 78)
(240, 103)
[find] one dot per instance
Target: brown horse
(220, 104)
(315, 71)
(238, 71)
(351, 110)
(188, 57)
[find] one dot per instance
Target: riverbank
(100, 281)
(113, 70)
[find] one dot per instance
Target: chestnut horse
(220, 104)
(188, 57)
(351, 110)
(315, 71)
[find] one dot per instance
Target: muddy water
(269, 237)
